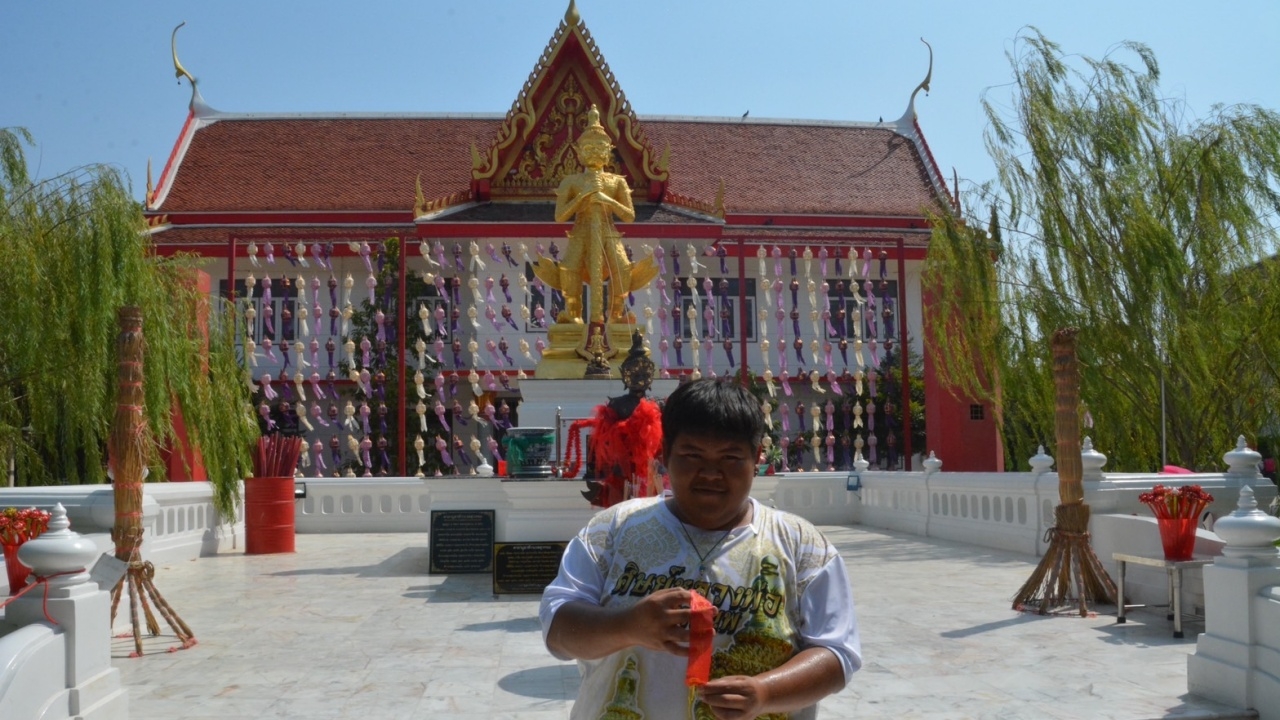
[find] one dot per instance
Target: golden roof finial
(719, 206)
(178, 70)
(571, 17)
(151, 188)
(420, 200)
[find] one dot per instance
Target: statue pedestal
(575, 398)
(560, 361)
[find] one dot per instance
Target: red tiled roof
(175, 235)
(324, 163)
(362, 164)
(795, 168)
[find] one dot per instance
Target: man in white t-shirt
(786, 632)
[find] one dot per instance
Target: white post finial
(1041, 462)
(860, 462)
(932, 464)
(1241, 460)
(1248, 532)
(57, 551)
(1091, 460)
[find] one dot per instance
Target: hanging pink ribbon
(265, 411)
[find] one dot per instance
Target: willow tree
(1117, 211)
(74, 249)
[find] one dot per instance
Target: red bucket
(268, 515)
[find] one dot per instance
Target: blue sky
(94, 81)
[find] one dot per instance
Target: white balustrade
(60, 669)
(1237, 658)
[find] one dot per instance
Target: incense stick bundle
(277, 456)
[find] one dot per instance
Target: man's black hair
(719, 408)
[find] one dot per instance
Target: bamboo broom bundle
(1069, 574)
(127, 447)
(129, 435)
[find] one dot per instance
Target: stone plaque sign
(461, 541)
(525, 568)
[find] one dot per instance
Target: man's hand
(661, 621)
(800, 682)
(733, 697)
(658, 622)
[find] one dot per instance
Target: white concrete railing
(1237, 658)
(55, 659)
(179, 518)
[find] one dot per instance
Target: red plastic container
(268, 515)
(1178, 536)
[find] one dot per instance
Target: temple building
(384, 266)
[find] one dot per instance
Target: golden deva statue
(595, 252)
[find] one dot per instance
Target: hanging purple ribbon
(442, 447)
(822, 261)
(675, 259)
(723, 255)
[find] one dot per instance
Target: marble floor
(352, 626)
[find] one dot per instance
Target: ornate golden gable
(534, 149)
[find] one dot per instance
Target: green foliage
(891, 388)
(1116, 211)
(75, 249)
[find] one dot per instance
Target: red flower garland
(573, 447)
